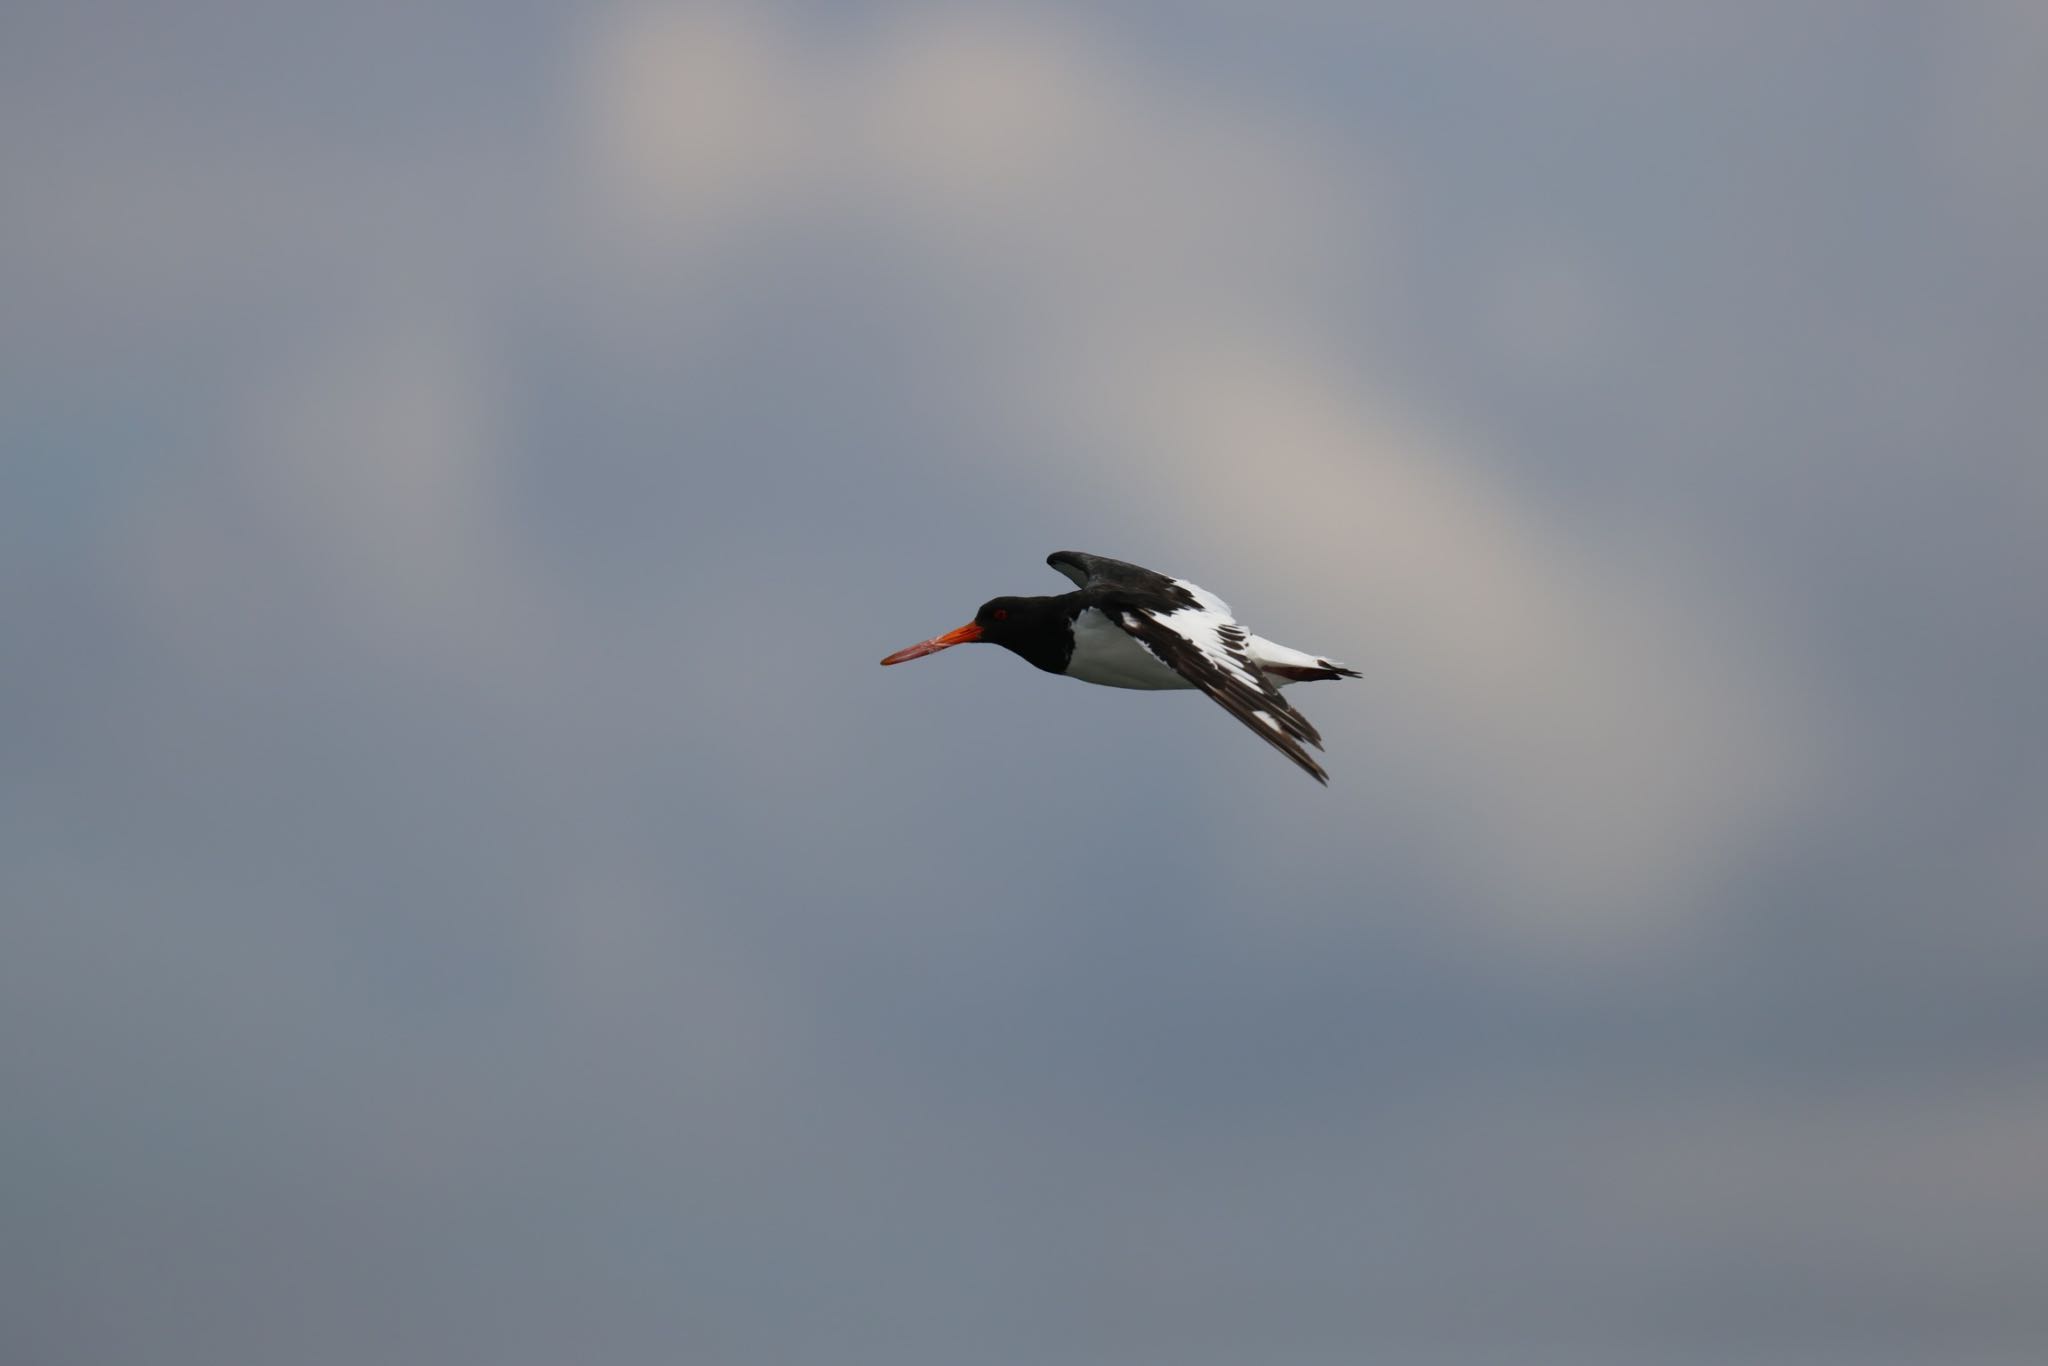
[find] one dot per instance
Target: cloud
(359, 483)
(1596, 740)
(695, 117)
(1158, 272)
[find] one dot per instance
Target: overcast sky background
(470, 896)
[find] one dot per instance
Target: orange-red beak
(970, 632)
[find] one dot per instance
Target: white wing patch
(1209, 650)
(1220, 640)
(1206, 600)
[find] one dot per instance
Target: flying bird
(1127, 627)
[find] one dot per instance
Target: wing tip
(1312, 768)
(1076, 565)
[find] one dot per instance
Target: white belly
(1104, 654)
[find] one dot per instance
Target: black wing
(1208, 650)
(1101, 572)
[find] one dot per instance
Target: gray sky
(470, 895)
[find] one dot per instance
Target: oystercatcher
(1127, 627)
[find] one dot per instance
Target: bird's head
(998, 623)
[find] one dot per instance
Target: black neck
(1040, 630)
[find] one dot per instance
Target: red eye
(1002, 614)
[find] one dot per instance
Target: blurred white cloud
(694, 117)
(359, 489)
(1596, 740)
(1018, 148)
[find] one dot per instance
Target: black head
(1034, 628)
(1002, 620)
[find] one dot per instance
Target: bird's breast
(1104, 654)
